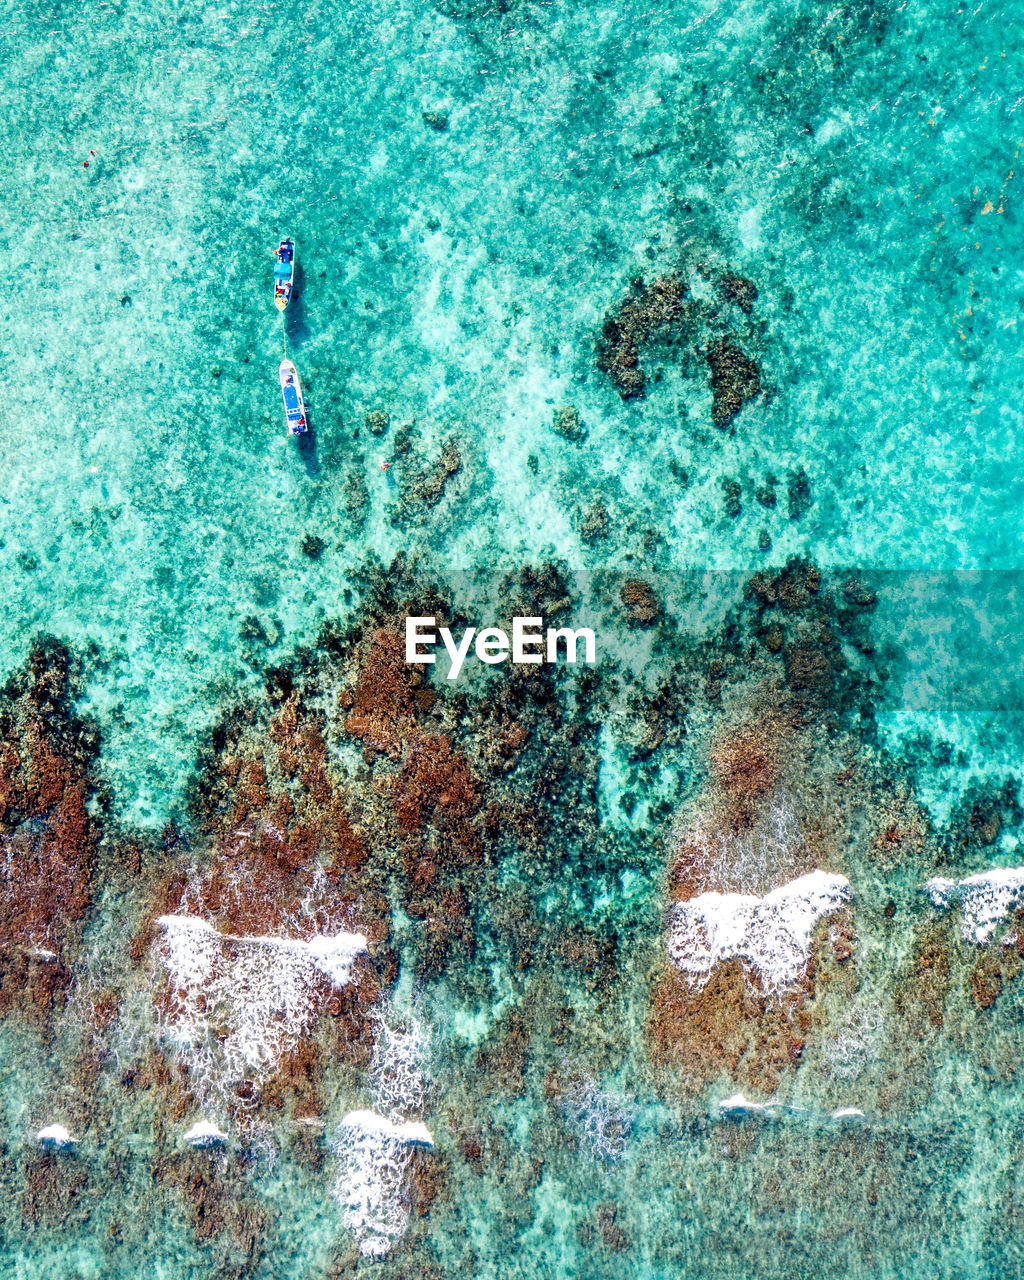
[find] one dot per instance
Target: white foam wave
(239, 1002)
(984, 899)
(374, 1146)
(747, 861)
(55, 1135)
(412, 1131)
(204, 1133)
(770, 935)
(738, 1106)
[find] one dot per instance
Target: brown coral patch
(749, 837)
(436, 784)
(642, 605)
(298, 1078)
(927, 984)
(986, 981)
(383, 706)
(595, 522)
(57, 1193)
(219, 1205)
(809, 671)
(430, 1179)
(745, 764)
(729, 1026)
(284, 858)
(45, 833)
(613, 1235)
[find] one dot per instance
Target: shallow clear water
(476, 192)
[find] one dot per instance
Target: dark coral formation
(798, 491)
(221, 1205)
(738, 289)
(568, 424)
(647, 314)
(378, 421)
(664, 319)
(55, 1194)
(735, 380)
(733, 503)
(427, 488)
(595, 522)
(745, 763)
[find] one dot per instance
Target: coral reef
(735, 380)
(738, 289)
(642, 605)
(48, 840)
(566, 423)
(426, 488)
(648, 313)
(360, 823)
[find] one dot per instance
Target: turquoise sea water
(477, 191)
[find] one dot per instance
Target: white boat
(294, 405)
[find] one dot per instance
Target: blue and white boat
(284, 273)
(294, 405)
